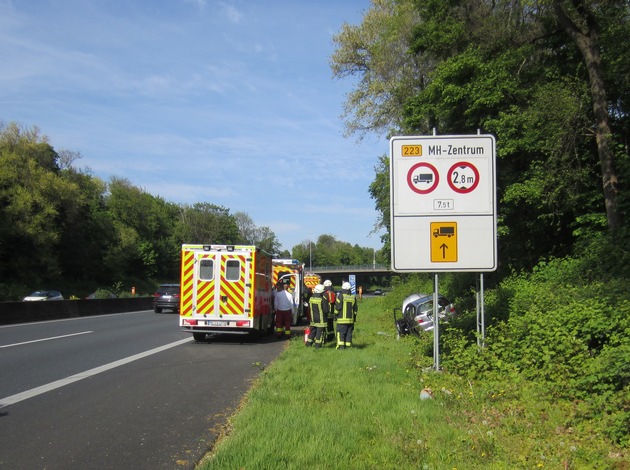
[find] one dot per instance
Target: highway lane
(138, 405)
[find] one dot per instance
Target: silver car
(417, 311)
(40, 295)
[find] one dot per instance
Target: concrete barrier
(25, 312)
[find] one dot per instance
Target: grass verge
(362, 409)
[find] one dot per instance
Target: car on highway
(417, 311)
(166, 297)
(40, 295)
(378, 292)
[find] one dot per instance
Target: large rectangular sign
(443, 203)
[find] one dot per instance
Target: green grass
(361, 409)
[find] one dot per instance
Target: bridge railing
(349, 269)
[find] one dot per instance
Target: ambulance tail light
(188, 322)
(243, 323)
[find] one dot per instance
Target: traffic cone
(307, 331)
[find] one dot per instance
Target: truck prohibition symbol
(423, 178)
(444, 232)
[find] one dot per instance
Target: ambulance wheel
(199, 336)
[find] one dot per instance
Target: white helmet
(318, 289)
(346, 286)
(327, 283)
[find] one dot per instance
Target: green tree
(508, 68)
(146, 246)
(87, 232)
(583, 21)
(262, 237)
(203, 222)
(35, 202)
(377, 52)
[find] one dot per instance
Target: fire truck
(291, 271)
(225, 289)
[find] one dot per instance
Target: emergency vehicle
(225, 289)
(291, 272)
(311, 280)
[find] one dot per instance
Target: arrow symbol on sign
(444, 247)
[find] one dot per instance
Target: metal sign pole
(483, 319)
(436, 326)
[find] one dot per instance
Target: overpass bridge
(365, 274)
(376, 269)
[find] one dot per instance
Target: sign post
(443, 208)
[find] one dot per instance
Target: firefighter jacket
(319, 310)
(346, 306)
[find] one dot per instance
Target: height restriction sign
(443, 203)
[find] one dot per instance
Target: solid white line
(13, 399)
(45, 339)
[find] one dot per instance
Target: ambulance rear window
(233, 270)
(206, 269)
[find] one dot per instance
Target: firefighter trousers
(344, 335)
(316, 336)
(330, 328)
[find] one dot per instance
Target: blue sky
(227, 102)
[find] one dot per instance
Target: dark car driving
(166, 297)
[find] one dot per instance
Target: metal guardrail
(25, 312)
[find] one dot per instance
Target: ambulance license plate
(217, 323)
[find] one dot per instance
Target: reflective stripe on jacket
(319, 310)
(346, 307)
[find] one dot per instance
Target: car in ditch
(416, 313)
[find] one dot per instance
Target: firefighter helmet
(327, 283)
(346, 286)
(318, 289)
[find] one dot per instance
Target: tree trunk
(588, 44)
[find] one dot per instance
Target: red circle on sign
(423, 178)
(463, 190)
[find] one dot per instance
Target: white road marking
(45, 339)
(13, 399)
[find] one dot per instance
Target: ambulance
(291, 272)
(225, 289)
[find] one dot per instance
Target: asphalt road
(118, 391)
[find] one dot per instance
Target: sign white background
(474, 212)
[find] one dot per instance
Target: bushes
(560, 330)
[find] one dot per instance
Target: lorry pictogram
(423, 178)
(448, 231)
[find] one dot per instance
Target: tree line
(63, 228)
(549, 78)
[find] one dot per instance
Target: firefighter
(283, 305)
(346, 308)
(331, 297)
(319, 313)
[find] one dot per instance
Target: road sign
(422, 178)
(439, 185)
(463, 177)
(352, 279)
(443, 242)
